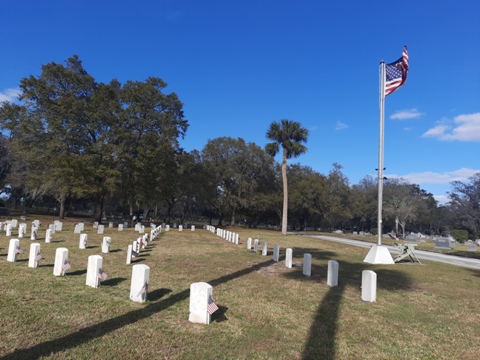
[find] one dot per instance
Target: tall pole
(380, 152)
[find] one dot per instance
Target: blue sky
(239, 65)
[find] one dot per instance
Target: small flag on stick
(38, 257)
(101, 275)
(66, 266)
(143, 290)
(18, 250)
(211, 308)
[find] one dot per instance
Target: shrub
(460, 235)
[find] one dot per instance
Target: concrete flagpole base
(379, 254)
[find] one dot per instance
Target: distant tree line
(77, 144)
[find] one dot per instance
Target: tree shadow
(321, 342)
(49, 348)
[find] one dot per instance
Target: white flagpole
(380, 152)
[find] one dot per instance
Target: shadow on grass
(113, 282)
(76, 273)
(49, 348)
(321, 342)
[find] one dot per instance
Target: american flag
(38, 257)
(211, 308)
(396, 73)
(65, 266)
(101, 275)
(18, 250)
(143, 290)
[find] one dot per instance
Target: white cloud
(9, 95)
(340, 126)
(441, 199)
(406, 114)
(430, 177)
(464, 128)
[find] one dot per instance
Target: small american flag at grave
(18, 250)
(101, 275)
(38, 257)
(143, 290)
(211, 308)
(66, 266)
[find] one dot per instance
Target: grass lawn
(267, 311)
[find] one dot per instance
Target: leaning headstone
(83, 241)
(139, 284)
(369, 286)
(249, 244)
(93, 269)
(129, 254)
(100, 229)
(14, 250)
(288, 258)
(307, 264)
(276, 252)
(107, 240)
(200, 298)
(61, 262)
(332, 274)
(48, 236)
(265, 248)
(34, 256)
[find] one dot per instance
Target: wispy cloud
(406, 114)
(9, 95)
(430, 177)
(340, 126)
(464, 128)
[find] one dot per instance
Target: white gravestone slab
(307, 264)
(120, 227)
(37, 223)
(129, 254)
(61, 259)
(167, 227)
(276, 252)
(81, 226)
(192, 228)
(34, 256)
(95, 225)
(136, 248)
(200, 296)
(33, 236)
(288, 258)
(8, 230)
(58, 225)
(265, 248)
(22, 230)
(13, 250)
(139, 284)
(95, 263)
(48, 236)
(82, 244)
(249, 244)
(369, 286)
(332, 274)
(51, 227)
(14, 223)
(77, 229)
(180, 227)
(107, 240)
(110, 225)
(100, 229)
(255, 245)
(237, 239)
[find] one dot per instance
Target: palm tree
(289, 135)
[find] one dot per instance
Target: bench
(406, 250)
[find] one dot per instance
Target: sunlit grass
(266, 310)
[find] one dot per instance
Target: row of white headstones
(369, 277)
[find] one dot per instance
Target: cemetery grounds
(266, 311)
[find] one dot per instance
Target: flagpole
(380, 152)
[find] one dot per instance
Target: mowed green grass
(429, 311)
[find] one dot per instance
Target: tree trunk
(61, 213)
(285, 193)
(232, 221)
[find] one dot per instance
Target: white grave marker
(83, 241)
(93, 268)
(332, 275)
(276, 252)
(61, 262)
(307, 264)
(107, 240)
(249, 244)
(34, 256)
(129, 254)
(288, 258)
(48, 236)
(139, 284)
(200, 299)
(265, 248)
(369, 286)
(14, 250)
